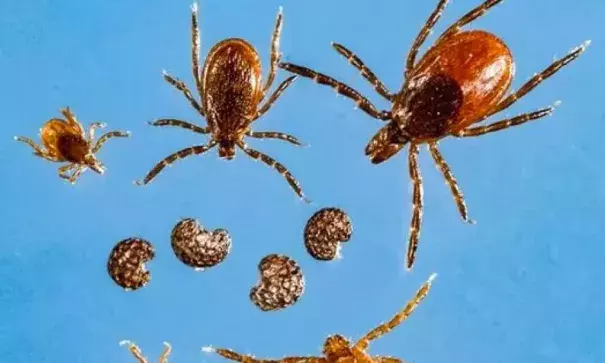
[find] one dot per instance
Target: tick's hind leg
(135, 350)
(504, 124)
(451, 181)
(365, 71)
(399, 318)
(469, 17)
(424, 33)
(339, 87)
(195, 150)
(275, 135)
(539, 78)
(179, 123)
(275, 55)
(282, 170)
(278, 92)
(108, 136)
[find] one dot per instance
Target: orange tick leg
(71, 119)
(365, 71)
(504, 124)
(282, 170)
(424, 33)
(231, 355)
(195, 50)
(275, 135)
(179, 123)
(106, 137)
(416, 205)
(165, 353)
(275, 55)
(469, 17)
(37, 150)
(64, 169)
(399, 318)
(538, 78)
(92, 128)
(451, 181)
(387, 360)
(278, 92)
(135, 350)
(195, 150)
(181, 86)
(362, 102)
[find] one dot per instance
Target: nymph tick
(338, 348)
(231, 90)
(67, 141)
(462, 79)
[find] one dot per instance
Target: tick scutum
(72, 147)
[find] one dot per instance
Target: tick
(231, 91)
(65, 140)
(463, 79)
(337, 348)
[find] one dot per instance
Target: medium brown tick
(462, 79)
(67, 141)
(338, 348)
(230, 87)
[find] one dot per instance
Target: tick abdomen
(458, 81)
(72, 147)
(232, 84)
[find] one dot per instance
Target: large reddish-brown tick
(337, 348)
(230, 87)
(461, 80)
(67, 141)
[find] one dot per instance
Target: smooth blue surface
(523, 285)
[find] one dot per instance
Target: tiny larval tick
(462, 79)
(231, 91)
(67, 141)
(337, 348)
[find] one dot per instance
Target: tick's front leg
(135, 350)
(64, 169)
(92, 128)
(38, 151)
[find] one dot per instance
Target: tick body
(337, 348)
(232, 97)
(66, 141)
(463, 79)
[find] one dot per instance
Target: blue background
(523, 285)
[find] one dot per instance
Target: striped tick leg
(234, 356)
(178, 123)
(416, 205)
(362, 102)
(282, 170)
(195, 150)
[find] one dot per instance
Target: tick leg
(424, 33)
(278, 92)
(451, 181)
(71, 119)
(195, 50)
(365, 71)
(416, 205)
(339, 87)
(399, 318)
(275, 55)
(195, 150)
(275, 135)
(181, 86)
(232, 355)
(37, 150)
(538, 78)
(504, 124)
(282, 170)
(165, 353)
(64, 169)
(106, 137)
(76, 174)
(179, 123)
(135, 350)
(387, 360)
(92, 128)
(469, 17)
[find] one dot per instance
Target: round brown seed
(197, 247)
(126, 263)
(282, 283)
(324, 232)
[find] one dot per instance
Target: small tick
(337, 348)
(231, 91)
(67, 141)
(461, 80)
